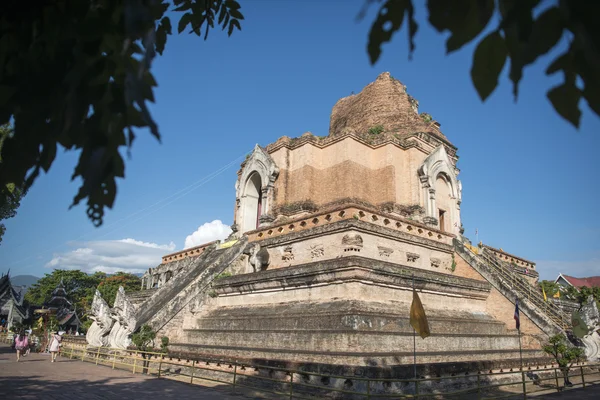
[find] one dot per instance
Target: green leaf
(389, 20)
(234, 23)
(183, 22)
(565, 99)
(166, 23)
(488, 61)
(545, 34)
(236, 14)
(464, 19)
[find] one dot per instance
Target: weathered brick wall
(383, 102)
(464, 270)
(348, 169)
(347, 179)
(503, 310)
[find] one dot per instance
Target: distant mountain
(23, 280)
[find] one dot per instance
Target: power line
(178, 194)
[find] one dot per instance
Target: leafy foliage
(518, 37)
(77, 74)
(10, 194)
(376, 130)
(80, 287)
(110, 285)
(164, 344)
(582, 295)
(144, 338)
(563, 352)
(550, 287)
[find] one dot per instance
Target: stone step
(349, 340)
(383, 357)
(142, 293)
(356, 315)
(351, 322)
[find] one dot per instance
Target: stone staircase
(165, 303)
(137, 298)
(531, 301)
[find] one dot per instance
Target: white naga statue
(97, 333)
(112, 327)
(591, 317)
(123, 313)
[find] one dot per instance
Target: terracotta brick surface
(383, 102)
(504, 310)
(463, 269)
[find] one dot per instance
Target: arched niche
(441, 190)
(444, 201)
(252, 204)
(255, 190)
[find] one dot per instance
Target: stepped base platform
(352, 333)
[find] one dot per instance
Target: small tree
(564, 353)
(143, 340)
(164, 344)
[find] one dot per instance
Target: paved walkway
(35, 377)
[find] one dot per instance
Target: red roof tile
(592, 281)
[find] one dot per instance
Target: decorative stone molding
(432, 221)
(288, 254)
(262, 165)
(436, 164)
(353, 268)
(266, 219)
(191, 252)
(352, 213)
(317, 251)
(385, 251)
(435, 262)
(259, 257)
(412, 257)
(352, 242)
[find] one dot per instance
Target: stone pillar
(432, 206)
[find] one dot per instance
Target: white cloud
(549, 270)
(111, 256)
(210, 231)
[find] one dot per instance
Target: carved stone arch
(258, 175)
(436, 165)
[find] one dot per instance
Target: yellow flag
(418, 319)
(544, 292)
(557, 294)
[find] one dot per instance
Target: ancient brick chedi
(330, 235)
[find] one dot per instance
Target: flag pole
(414, 336)
(519, 332)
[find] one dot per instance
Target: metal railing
(525, 290)
(298, 384)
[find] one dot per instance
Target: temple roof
(592, 281)
(59, 297)
(7, 292)
(384, 103)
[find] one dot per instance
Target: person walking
(29, 343)
(21, 343)
(54, 345)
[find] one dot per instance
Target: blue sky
(529, 178)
